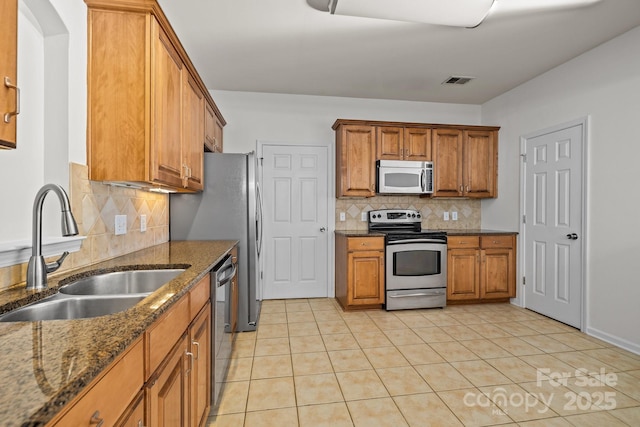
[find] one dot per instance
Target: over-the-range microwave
(404, 177)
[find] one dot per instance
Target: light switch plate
(454, 215)
(445, 216)
(343, 216)
(363, 216)
(121, 224)
(143, 222)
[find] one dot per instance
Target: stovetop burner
(399, 222)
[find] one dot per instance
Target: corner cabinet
(481, 268)
(147, 105)
(9, 94)
(465, 163)
(360, 271)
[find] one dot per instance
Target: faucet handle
(51, 267)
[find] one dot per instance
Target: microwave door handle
(423, 174)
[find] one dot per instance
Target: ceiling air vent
(457, 80)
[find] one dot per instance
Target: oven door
(416, 264)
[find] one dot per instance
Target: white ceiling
(286, 46)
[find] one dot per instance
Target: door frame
(331, 203)
(584, 246)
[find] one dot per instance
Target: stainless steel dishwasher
(221, 277)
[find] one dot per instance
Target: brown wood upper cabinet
(465, 162)
(465, 158)
(403, 143)
(147, 106)
(9, 95)
(355, 161)
(212, 131)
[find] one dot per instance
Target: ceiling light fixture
(457, 13)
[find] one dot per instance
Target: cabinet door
(480, 168)
(193, 135)
(167, 394)
(200, 334)
(498, 274)
(365, 277)
(134, 415)
(166, 110)
(463, 274)
(356, 159)
(389, 143)
(447, 162)
(417, 144)
(211, 129)
(8, 70)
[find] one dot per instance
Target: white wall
(52, 76)
(300, 118)
(603, 84)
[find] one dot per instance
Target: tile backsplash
(94, 206)
(432, 210)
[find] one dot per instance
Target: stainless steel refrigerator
(229, 208)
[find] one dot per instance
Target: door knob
(322, 229)
(572, 236)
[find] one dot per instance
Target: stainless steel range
(416, 260)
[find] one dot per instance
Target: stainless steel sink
(121, 282)
(71, 307)
(94, 296)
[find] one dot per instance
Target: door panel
(553, 204)
(295, 221)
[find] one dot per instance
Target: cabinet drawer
(496, 242)
(112, 394)
(198, 296)
(463, 242)
(164, 333)
(365, 243)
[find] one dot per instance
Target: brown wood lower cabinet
(360, 271)
(163, 379)
(481, 268)
(167, 392)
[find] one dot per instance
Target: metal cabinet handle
(8, 84)
(190, 355)
(461, 188)
(197, 344)
(96, 420)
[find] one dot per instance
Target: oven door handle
(418, 294)
(402, 242)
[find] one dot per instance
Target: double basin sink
(94, 296)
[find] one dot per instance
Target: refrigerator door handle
(258, 218)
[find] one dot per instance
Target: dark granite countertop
(44, 365)
(478, 232)
(450, 232)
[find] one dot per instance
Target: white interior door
(294, 182)
(553, 223)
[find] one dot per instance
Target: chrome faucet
(37, 269)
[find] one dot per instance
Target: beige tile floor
(311, 364)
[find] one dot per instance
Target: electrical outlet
(454, 215)
(343, 216)
(445, 216)
(143, 222)
(363, 216)
(121, 224)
